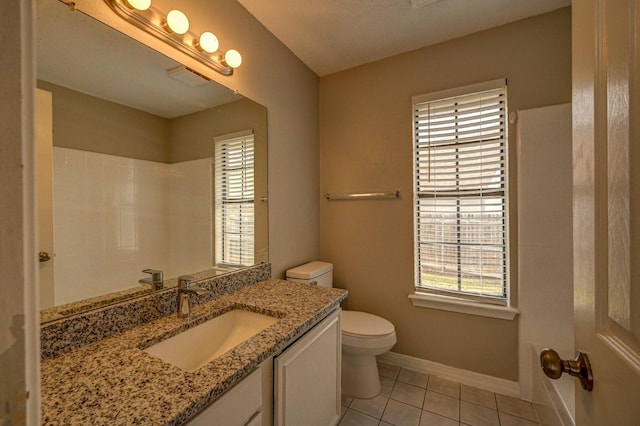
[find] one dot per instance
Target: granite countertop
(113, 381)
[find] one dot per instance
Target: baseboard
(469, 378)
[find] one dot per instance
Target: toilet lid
(363, 324)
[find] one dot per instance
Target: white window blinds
(234, 199)
(460, 192)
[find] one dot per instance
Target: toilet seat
(365, 326)
(363, 332)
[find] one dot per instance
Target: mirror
(133, 175)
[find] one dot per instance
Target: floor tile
(443, 405)
(410, 398)
(478, 396)
(400, 414)
(444, 386)
(476, 415)
(509, 420)
(355, 418)
(516, 407)
(432, 419)
(387, 386)
(388, 371)
(413, 378)
(373, 407)
(409, 394)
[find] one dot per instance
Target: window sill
(453, 304)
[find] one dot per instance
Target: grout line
(423, 409)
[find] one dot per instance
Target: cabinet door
(307, 377)
(237, 407)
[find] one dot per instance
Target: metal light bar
(141, 21)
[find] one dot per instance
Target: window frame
(498, 307)
(220, 201)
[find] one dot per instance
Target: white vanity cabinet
(241, 405)
(307, 377)
(303, 382)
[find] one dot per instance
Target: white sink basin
(198, 345)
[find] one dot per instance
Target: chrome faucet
(156, 281)
(184, 290)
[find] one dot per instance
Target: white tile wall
(191, 220)
(115, 216)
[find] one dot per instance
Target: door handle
(43, 256)
(553, 366)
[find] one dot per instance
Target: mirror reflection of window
(234, 199)
(156, 209)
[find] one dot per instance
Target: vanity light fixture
(208, 42)
(173, 29)
(232, 58)
(176, 22)
(138, 4)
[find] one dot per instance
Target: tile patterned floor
(409, 398)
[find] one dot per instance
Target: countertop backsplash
(62, 335)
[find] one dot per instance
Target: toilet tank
(314, 273)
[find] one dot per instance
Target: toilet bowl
(364, 336)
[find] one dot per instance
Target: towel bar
(363, 196)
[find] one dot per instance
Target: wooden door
(606, 207)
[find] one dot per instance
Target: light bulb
(233, 58)
(177, 22)
(208, 42)
(138, 4)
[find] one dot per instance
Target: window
(234, 199)
(460, 194)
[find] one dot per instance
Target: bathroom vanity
(303, 381)
(113, 380)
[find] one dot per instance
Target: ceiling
(334, 35)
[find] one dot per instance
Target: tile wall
(114, 216)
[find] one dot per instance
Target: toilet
(364, 336)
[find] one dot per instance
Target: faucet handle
(156, 277)
(185, 280)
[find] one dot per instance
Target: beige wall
(85, 122)
(192, 135)
(88, 123)
(366, 145)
